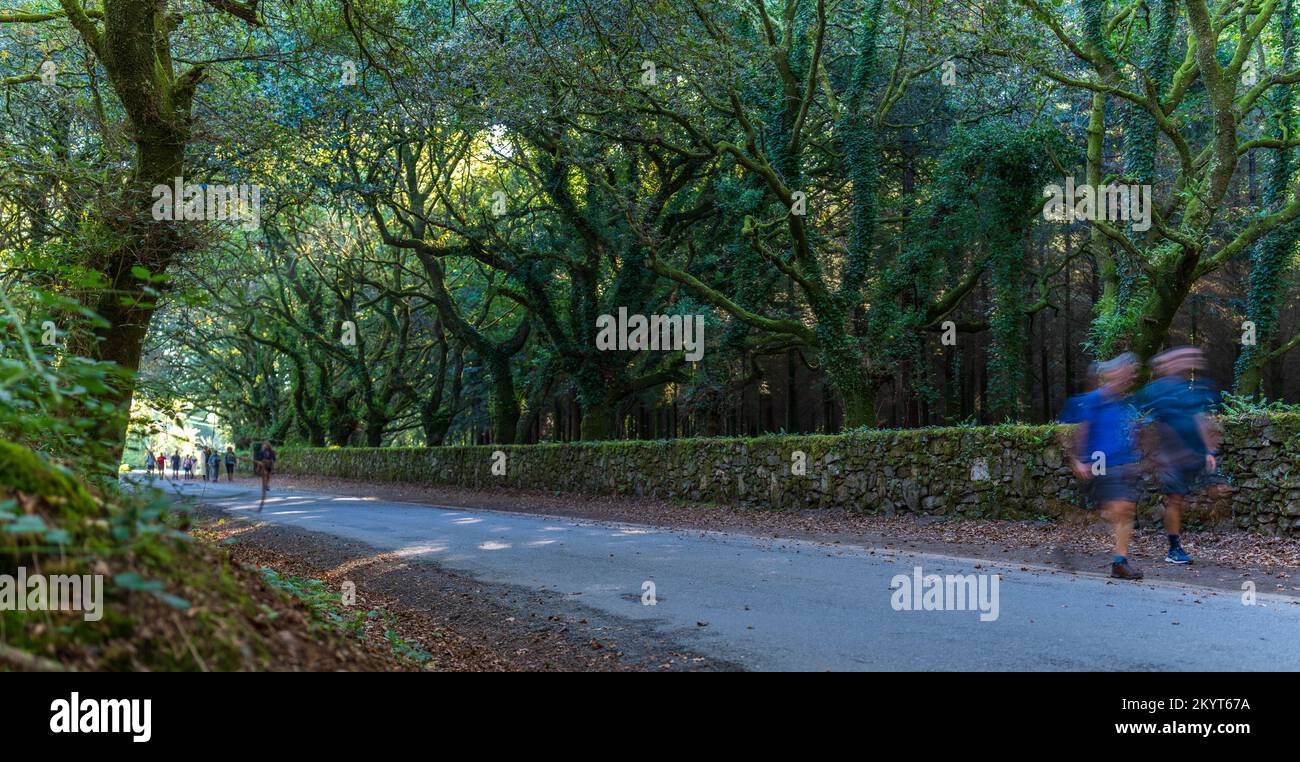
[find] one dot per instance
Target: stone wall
(1012, 472)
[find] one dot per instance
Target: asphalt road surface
(769, 604)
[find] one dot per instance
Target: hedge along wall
(1015, 472)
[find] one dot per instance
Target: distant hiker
(213, 466)
(162, 466)
(263, 464)
(176, 464)
(230, 464)
(148, 463)
(189, 467)
(1185, 447)
(1104, 454)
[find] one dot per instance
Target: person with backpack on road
(1186, 449)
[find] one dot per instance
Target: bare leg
(1120, 514)
(1173, 519)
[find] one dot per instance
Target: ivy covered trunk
(1164, 297)
(375, 426)
(1268, 262)
(598, 423)
(341, 421)
(503, 407)
(435, 426)
(855, 388)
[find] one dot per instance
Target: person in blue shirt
(1104, 453)
(1177, 407)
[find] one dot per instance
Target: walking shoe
(1177, 555)
(1124, 571)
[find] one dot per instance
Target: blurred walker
(1176, 407)
(1104, 452)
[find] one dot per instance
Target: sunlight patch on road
(416, 550)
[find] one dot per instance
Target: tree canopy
(408, 222)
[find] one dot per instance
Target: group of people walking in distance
(1171, 414)
(208, 462)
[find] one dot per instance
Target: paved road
(795, 605)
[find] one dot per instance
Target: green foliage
(51, 399)
(1235, 405)
(327, 604)
(331, 612)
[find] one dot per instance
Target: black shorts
(1181, 480)
(1119, 483)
